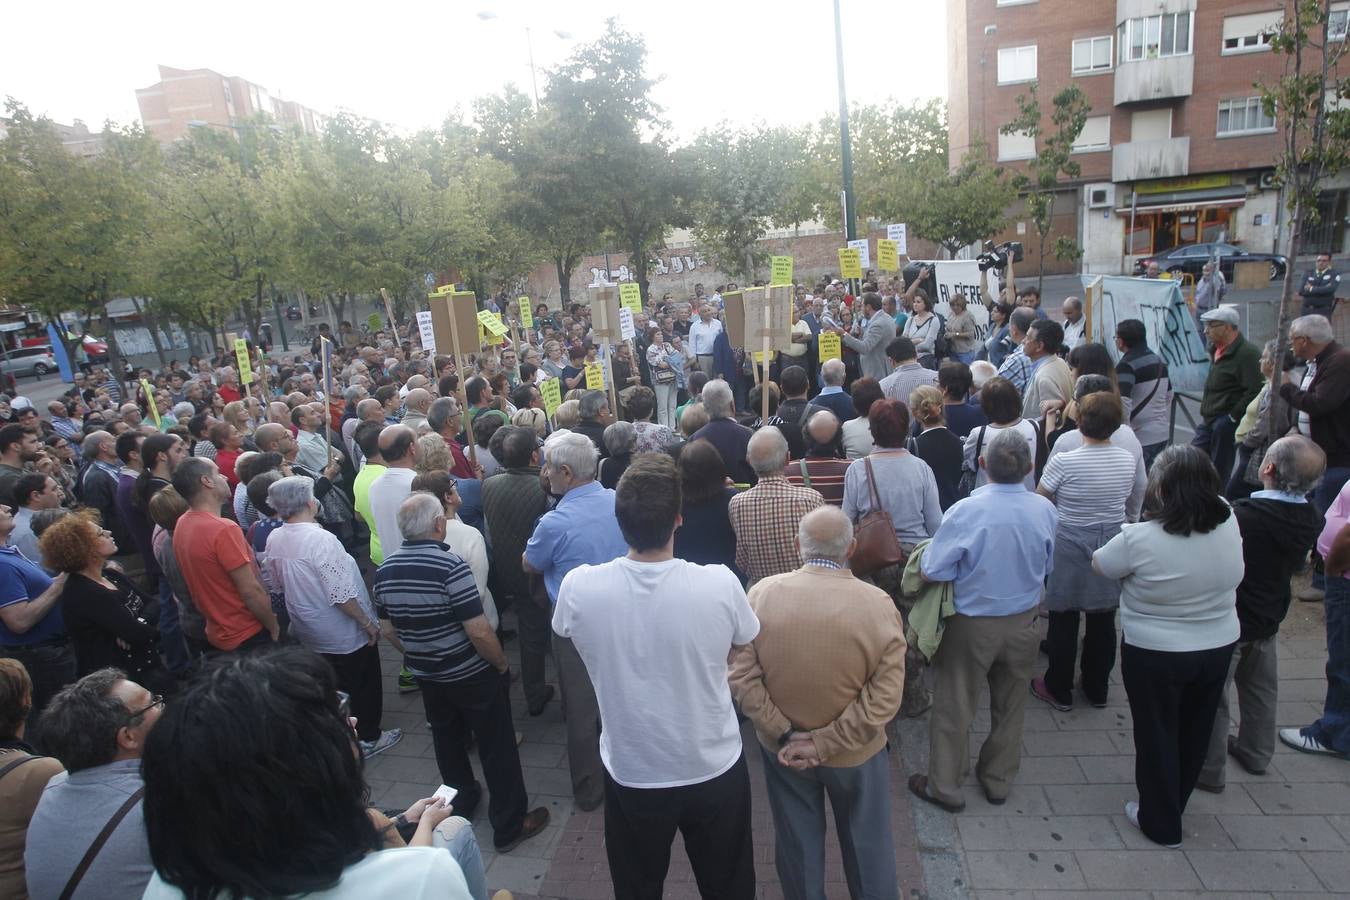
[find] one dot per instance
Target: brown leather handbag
(878, 546)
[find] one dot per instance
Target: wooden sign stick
(463, 395)
(768, 342)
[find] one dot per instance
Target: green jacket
(935, 603)
(1234, 380)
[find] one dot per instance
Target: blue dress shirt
(580, 531)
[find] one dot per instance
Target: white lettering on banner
(960, 276)
(671, 265)
(898, 234)
(1169, 327)
(627, 331)
(427, 332)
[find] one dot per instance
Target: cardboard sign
(241, 355)
(630, 297)
(780, 270)
(454, 321)
(759, 356)
(627, 330)
(551, 391)
(427, 330)
(595, 377)
(830, 346)
(491, 322)
(850, 263)
(150, 402)
(733, 317)
(526, 314)
(605, 313)
(864, 256)
(779, 300)
(888, 255)
(899, 234)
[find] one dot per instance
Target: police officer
(1319, 288)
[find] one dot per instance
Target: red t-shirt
(228, 392)
(208, 548)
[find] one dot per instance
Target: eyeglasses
(156, 700)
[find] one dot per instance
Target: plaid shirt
(1017, 369)
(765, 519)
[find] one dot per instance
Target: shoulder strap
(806, 481)
(16, 763)
(89, 855)
(979, 445)
(872, 485)
(1157, 382)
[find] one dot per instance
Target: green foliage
(957, 208)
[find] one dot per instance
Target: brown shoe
(535, 821)
(918, 786)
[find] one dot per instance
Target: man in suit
(876, 334)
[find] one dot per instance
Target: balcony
(1154, 79)
(1140, 160)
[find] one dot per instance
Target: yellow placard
(241, 354)
(630, 297)
(759, 356)
(595, 377)
(526, 314)
(850, 263)
(888, 255)
(831, 347)
(780, 270)
(551, 391)
(150, 402)
(491, 322)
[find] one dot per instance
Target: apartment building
(1176, 148)
(186, 98)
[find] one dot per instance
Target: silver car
(36, 361)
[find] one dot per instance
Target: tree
(956, 209)
(1040, 183)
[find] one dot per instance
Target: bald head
(417, 381)
(825, 533)
(418, 399)
(822, 427)
(767, 452)
(1293, 464)
(278, 412)
(268, 437)
(398, 444)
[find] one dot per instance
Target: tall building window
(1018, 145)
(1092, 55)
(1338, 21)
(1096, 135)
(1016, 64)
(1243, 116)
(1245, 34)
(1152, 37)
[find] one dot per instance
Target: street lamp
(487, 15)
(845, 148)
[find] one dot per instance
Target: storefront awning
(1180, 201)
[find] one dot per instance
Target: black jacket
(1275, 537)
(1327, 403)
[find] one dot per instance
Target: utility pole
(845, 148)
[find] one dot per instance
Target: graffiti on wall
(672, 265)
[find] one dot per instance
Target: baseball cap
(1226, 314)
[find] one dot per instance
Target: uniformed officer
(1319, 288)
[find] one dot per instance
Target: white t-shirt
(981, 435)
(1177, 593)
(655, 639)
(387, 492)
(1125, 438)
(400, 873)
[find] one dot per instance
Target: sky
(410, 64)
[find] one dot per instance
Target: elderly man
(820, 709)
(1210, 289)
(415, 407)
(446, 419)
(367, 410)
(398, 449)
(580, 531)
(314, 450)
(99, 484)
(1153, 271)
(908, 374)
(1278, 524)
(726, 434)
(655, 633)
(228, 380)
(877, 331)
(1234, 380)
(765, 518)
(832, 395)
(131, 414)
(97, 728)
(513, 501)
(596, 416)
(1051, 381)
(435, 616)
(702, 335)
(1017, 366)
(822, 467)
(62, 423)
(996, 547)
(1072, 308)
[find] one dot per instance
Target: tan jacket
(829, 659)
(20, 790)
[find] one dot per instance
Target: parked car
(96, 350)
(1191, 258)
(293, 313)
(36, 361)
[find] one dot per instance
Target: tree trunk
(1286, 315)
(565, 265)
(152, 325)
(116, 362)
(638, 265)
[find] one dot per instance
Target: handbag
(877, 546)
(968, 476)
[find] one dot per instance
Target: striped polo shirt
(428, 593)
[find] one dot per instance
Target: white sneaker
(1132, 813)
(1305, 743)
(386, 740)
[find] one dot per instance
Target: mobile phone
(446, 793)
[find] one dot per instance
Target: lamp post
(487, 15)
(845, 148)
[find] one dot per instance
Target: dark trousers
(1099, 653)
(1173, 698)
(50, 667)
(536, 630)
(1332, 728)
(1215, 437)
(172, 645)
(1238, 487)
(713, 817)
(359, 674)
(479, 704)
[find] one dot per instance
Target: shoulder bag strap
(979, 445)
(18, 762)
(89, 855)
(872, 486)
(806, 481)
(1157, 382)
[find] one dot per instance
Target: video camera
(997, 257)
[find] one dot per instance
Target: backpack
(940, 348)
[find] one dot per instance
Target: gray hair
(1298, 462)
(981, 370)
(574, 450)
(184, 411)
(440, 411)
(1091, 384)
(825, 533)
(291, 496)
(1315, 328)
(620, 438)
(1007, 458)
(92, 441)
(717, 399)
(767, 451)
(1022, 318)
(417, 515)
(591, 402)
(351, 392)
(832, 372)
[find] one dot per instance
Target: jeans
(1215, 437)
(51, 667)
(172, 644)
(665, 403)
(1333, 728)
(456, 835)
(968, 357)
(1333, 480)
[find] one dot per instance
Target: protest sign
(526, 314)
(491, 322)
(150, 402)
(959, 276)
(830, 346)
(551, 391)
(388, 306)
(898, 233)
(627, 330)
(780, 270)
(1169, 327)
(241, 356)
(850, 263)
(454, 321)
(864, 255)
(630, 297)
(595, 377)
(887, 255)
(428, 332)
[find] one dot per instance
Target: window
(1092, 55)
(1337, 21)
(1016, 146)
(1016, 64)
(1152, 37)
(1151, 124)
(1244, 34)
(1014, 2)
(1243, 116)
(1096, 135)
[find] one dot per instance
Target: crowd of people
(197, 579)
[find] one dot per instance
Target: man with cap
(1234, 380)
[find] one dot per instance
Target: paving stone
(1342, 825)
(1088, 718)
(1197, 833)
(1024, 869)
(1234, 801)
(1308, 690)
(1089, 799)
(1041, 770)
(1295, 766)
(1295, 833)
(1142, 869)
(1231, 870)
(1037, 833)
(1025, 800)
(944, 876)
(1296, 713)
(1117, 769)
(1292, 667)
(1332, 868)
(1329, 798)
(1067, 743)
(517, 873)
(538, 753)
